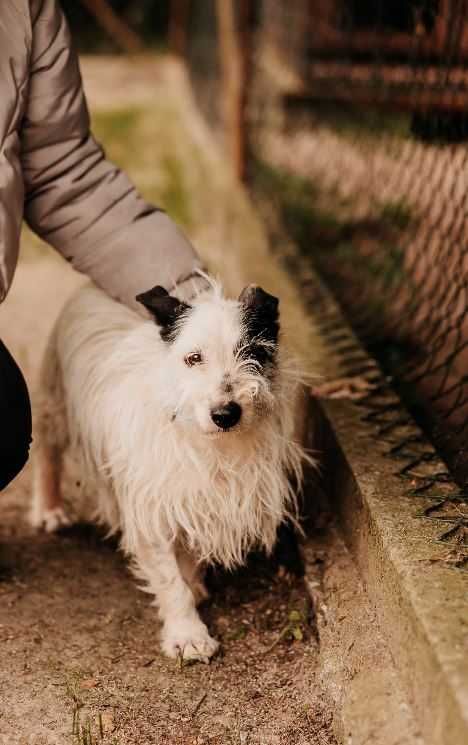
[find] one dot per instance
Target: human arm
(74, 198)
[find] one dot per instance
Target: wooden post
(441, 26)
(234, 52)
(178, 26)
(118, 30)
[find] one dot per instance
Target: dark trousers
(15, 418)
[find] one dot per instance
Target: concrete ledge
(421, 601)
(355, 668)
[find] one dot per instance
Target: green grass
(174, 195)
(139, 140)
(297, 201)
(319, 223)
(116, 125)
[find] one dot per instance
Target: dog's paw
(50, 520)
(189, 640)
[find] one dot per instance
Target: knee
(11, 464)
(15, 419)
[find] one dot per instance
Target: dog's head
(221, 362)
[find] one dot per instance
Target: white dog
(186, 429)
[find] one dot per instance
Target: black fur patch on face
(166, 310)
(260, 319)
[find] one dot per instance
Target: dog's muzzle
(227, 416)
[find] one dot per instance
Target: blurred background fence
(350, 120)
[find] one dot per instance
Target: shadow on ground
(80, 653)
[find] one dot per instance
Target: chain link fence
(350, 121)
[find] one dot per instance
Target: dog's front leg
(183, 631)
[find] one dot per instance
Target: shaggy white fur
(181, 491)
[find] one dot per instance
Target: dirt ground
(80, 660)
(80, 653)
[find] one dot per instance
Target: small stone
(88, 683)
(106, 722)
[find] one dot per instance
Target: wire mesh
(357, 131)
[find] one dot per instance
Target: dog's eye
(192, 359)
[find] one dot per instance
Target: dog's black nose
(227, 416)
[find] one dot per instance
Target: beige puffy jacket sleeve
(74, 198)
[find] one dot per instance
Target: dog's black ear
(261, 311)
(255, 298)
(165, 309)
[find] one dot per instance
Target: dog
(186, 428)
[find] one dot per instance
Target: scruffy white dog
(186, 430)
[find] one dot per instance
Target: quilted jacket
(55, 175)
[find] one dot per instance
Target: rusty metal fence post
(233, 50)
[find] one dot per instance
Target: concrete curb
(421, 602)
